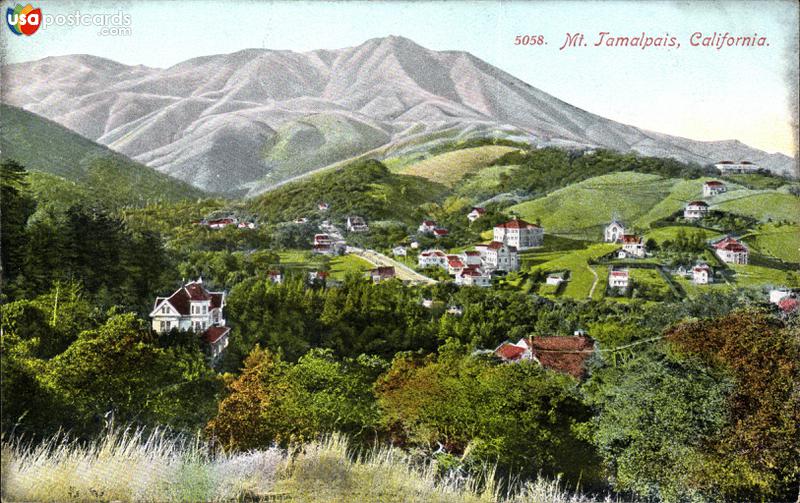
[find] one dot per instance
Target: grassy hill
(46, 147)
(364, 188)
(582, 209)
(450, 167)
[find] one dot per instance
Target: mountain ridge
(249, 119)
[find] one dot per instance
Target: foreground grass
(129, 466)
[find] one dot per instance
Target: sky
(744, 93)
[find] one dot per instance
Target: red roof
(714, 183)
(731, 244)
(383, 271)
(517, 223)
(697, 203)
(702, 267)
(563, 354)
(429, 223)
(725, 162)
(472, 253)
(745, 162)
(213, 334)
(436, 253)
(478, 209)
(509, 351)
(440, 232)
(619, 273)
(788, 305)
(456, 263)
(495, 245)
(631, 238)
(734, 247)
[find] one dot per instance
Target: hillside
(582, 209)
(254, 118)
(364, 188)
(48, 148)
(450, 167)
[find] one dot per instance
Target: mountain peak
(264, 116)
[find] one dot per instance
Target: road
(402, 271)
(591, 291)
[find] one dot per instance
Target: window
(205, 309)
(162, 326)
(169, 325)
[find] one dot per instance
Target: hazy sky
(746, 93)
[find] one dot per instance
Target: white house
(432, 258)
(473, 276)
(695, 210)
(276, 277)
(619, 278)
(318, 276)
(701, 274)
(633, 246)
(454, 265)
(776, 295)
(414, 244)
(471, 257)
(427, 227)
(476, 213)
(194, 308)
(455, 310)
(731, 251)
(356, 224)
(399, 251)
(555, 279)
(519, 234)
(499, 256)
(713, 188)
(734, 168)
(322, 240)
(614, 232)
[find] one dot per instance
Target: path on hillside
(596, 279)
(402, 271)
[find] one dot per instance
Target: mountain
(254, 118)
(46, 147)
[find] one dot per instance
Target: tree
(16, 205)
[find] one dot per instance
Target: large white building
(194, 308)
(499, 256)
(731, 251)
(735, 168)
(619, 278)
(473, 276)
(519, 234)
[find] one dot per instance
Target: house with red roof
(275, 277)
(695, 210)
(731, 250)
(498, 256)
(454, 265)
(702, 274)
(432, 258)
(619, 278)
(473, 276)
(427, 227)
(519, 234)
(632, 246)
(565, 354)
(713, 188)
(193, 307)
(440, 232)
(382, 273)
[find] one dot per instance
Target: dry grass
(128, 466)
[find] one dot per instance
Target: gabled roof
(182, 298)
(701, 267)
(440, 232)
(429, 223)
(213, 334)
(631, 239)
(495, 245)
(729, 243)
(455, 263)
(517, 223)
(714, 183)
(435, 253)
(697, 203)
(509, 351)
